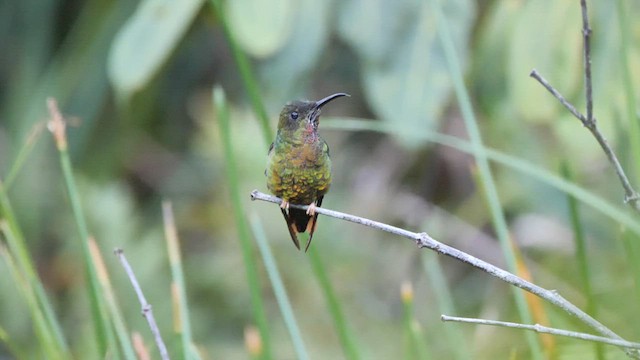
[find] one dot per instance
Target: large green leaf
(405, 75)
(375, 28)
(285, 74)
(261, 27)
(546, 36)
(147, 39)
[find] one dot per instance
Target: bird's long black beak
(320, 103)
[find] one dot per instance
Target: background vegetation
(135, 81)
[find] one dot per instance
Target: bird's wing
(268, 154)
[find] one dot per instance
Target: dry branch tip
(425, 241)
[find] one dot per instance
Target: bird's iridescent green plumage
(298, 164)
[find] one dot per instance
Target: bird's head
(302, 116)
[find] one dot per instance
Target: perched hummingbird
(298, 165)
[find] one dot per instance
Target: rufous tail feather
(311, 226)
(293, 231)
(298, 221)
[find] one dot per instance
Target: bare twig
(536, 75)
(586, 34)
(544, 329)
(146, 307)
(631, 195)
(423, 240)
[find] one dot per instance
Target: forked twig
(631, 196)
(423, 240)
(146, 307)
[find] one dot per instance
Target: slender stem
(626, 43)
(248, 253)
(631, 195)
(182, 323)
(536, 75)
(444, 299)
(423, 240)
(416, 346)
(484, 177)
(586, 33)
(120, 327)
(104, 330)
(18, 245)
(42, 330)
(13, 349)
(344, 335)
(248, 78)
(279, 289)
(23, 153)
(528, 169)
(146, 307)
(546, 330)
(581, 254)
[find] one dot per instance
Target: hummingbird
(298, 165)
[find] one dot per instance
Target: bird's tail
(299, 222)
(300, 219)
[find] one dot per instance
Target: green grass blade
(484, 172)
(13, 348)
(438, 282)
(420, 340)
(23, 153)
(45, 335)
(630, 100)
(241, 223)
(582, 258)
(346, 338)
(248, 79)
(525, 167)
(103, 331)
(416, 343)
(104, 335)
(406, 293)
(177, 275)
(279, 289)
(251, 85)
(72, 66)
(632, 251)
(18, 246)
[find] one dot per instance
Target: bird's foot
(312, 209)
(284, 204)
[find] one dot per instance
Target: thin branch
(631, 196)
(536, 75)
(423, 240)
(146, 307)
(586, 33)
(546, 330)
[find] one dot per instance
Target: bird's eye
(294, 115)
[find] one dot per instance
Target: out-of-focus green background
(135, 79)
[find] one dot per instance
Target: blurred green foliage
(134, 80)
